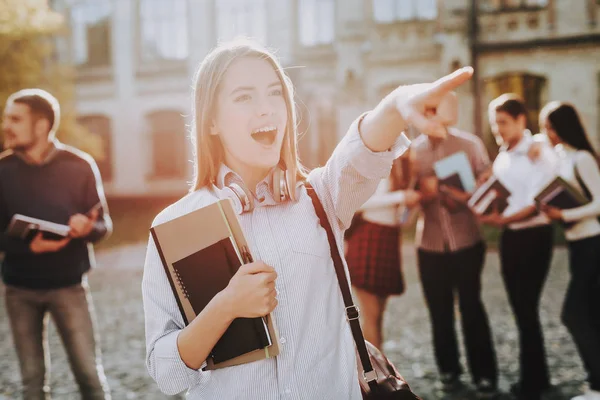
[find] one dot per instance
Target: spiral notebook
(200, 252)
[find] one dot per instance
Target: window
(404, 10)
(163, 30)
(493, 5)
(99, 125)
(90, 29)
(530, 88)
(241, 18)
(316, 21)
(168, 147)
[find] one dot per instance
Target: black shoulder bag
(378, 377)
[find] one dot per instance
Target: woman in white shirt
(244, 133)
(579, 166)
(374, 248)
(527, 237)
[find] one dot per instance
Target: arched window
(99, 125)
(168, 145)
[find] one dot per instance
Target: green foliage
(28, 30)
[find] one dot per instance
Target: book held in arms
(491, 196)
(26, 228)
(455, 171)
(560, 194)
(200, 252)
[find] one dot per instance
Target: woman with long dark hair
(579, 166)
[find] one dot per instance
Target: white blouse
(586, 216)
(525, 178)
(382, 207)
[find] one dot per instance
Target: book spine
(168, 273)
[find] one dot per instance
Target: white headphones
(243, 200)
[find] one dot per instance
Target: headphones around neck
(243, 199)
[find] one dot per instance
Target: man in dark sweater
(42, 178)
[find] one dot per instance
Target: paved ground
(116, 289)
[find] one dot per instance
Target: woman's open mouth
(265, 135)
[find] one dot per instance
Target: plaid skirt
(374, 259)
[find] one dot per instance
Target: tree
(28, 33)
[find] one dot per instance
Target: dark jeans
(72, 311)
(443, 274)
(581, 310)
(525, 257)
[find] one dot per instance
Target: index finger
(452, 81)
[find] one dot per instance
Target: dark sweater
(65, 184)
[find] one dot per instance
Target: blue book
(456, 170)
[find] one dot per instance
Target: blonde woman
(245, 131)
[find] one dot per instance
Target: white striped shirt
(317, 358)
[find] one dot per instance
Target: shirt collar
(227, 176)
(523, 146)
(51, 153)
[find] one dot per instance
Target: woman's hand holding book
(251, 292)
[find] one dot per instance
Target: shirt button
(287, 391)
(282, 340)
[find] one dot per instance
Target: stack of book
(200, 252)
(560, 194)
(491, 196)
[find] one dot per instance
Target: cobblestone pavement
(116, 289)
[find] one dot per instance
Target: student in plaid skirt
(373, 248)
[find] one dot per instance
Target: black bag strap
(584, 187)
(352, 311)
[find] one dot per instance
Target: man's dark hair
(41, 104)
(509, 103)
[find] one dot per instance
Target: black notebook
(452, 180)
(201, 276)
(491, 195)
(560, 194)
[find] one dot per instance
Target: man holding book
(43, 180)
(527, 236)
(451, 254)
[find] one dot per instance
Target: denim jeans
(581, 310)
(72, 310)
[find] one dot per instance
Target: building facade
(136, 59)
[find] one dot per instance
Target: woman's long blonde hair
(208, 149)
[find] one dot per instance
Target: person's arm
(9, 244)
(365, 154)
(95, 199)
(175, 353)
(589, 173)
(163, 325)
(384, 200)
